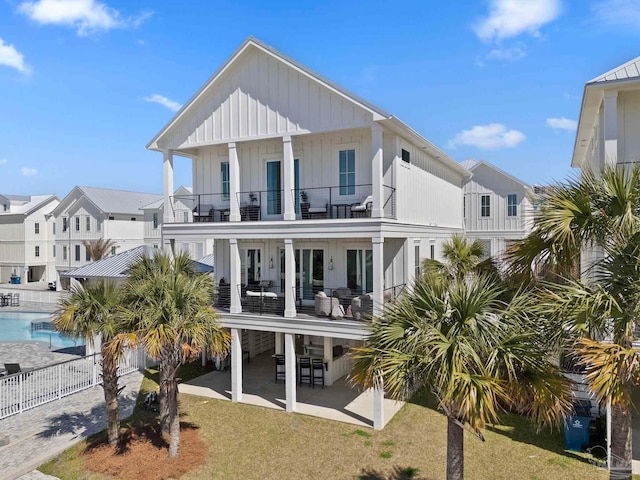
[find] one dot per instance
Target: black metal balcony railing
(310, 203)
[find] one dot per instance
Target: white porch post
(328, 356)
(409, 261)
(234, 183)
(236, 365)
(378, 274)
(289, 279)
(234, 276)
(290, 370)
(288, 182)
(378, 407)
(279, 343)
(168, 185)
(610, 128)
(377, 173)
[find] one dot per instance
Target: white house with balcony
(497, 207)
(27, 238)
(321, 206)
(89, 213)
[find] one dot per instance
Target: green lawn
(247, 442)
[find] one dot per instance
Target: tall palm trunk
(162, 396)
(455, 450)
(174, 418)
(620, 468)
(110, 387)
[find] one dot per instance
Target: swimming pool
(16, 326)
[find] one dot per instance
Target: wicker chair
(324, 305)
(362, 306)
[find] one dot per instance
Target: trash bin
(15, 279)
(576, 428)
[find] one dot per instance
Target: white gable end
(261, 96)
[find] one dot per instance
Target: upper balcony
(313, 203)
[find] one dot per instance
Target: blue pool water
(16, 326)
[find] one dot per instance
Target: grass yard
(248, 442)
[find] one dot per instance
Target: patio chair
(362, 209)
(15, 300)
(324, 305)
(13, 368)
(304, 371)
(309, 212)
(362, 306)
(317, 370)
(280, 368)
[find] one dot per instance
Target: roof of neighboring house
(378, 114)
(627, 71)
(116, 265)
(207, 259)
(471, 164)
(159, 204)
(111, 201)
(32, 203)
(16, 198)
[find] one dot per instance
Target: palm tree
(594, 220)
(462, 255)
(92, 311)
(169, 308)
(98, 249)
(476, 352)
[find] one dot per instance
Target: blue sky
(499, 80)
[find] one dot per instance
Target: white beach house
(321, 206)
(498, 208)
(89, 213)
(27, 238)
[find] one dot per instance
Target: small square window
(37, 228)
(406, 156)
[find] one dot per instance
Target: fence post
(20, 392)
(93, 371)
(59, 381)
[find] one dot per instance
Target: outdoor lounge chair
(362, 209)
(324, 305)
(362, 306)
(13, 368)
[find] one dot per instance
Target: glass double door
(309, 273)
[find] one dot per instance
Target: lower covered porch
(256, 379)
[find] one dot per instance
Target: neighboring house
(305, 188)
(153, 217)
(27, 238)
(498, 208)
(89, 213)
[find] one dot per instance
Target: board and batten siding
(260, 96)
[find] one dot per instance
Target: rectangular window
(113, 250)
(64, 224)
(77, 255)
(406, 156)
(464, 207)
(112, 218)
(512, 205)
(485, 205)
(347, 173)
(54, 227)
(155, 220)
(87, 255)
(37, 228)
(88, 224)
(417, 261)
(99, 224)
(133, 219)
(155, 245)
(64, 252)
(54, 251)
(77, 224)
(432, 251)
(224, 180)
(360, 270)
(37, 250)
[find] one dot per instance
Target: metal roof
(116, 266)
(119, 201)
(627, 71)
(32, 203)
(16, 198)
(469, 163)
(207, 259)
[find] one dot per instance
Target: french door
(309, 273)
(251, 266)
(360, 270)
(274, 188)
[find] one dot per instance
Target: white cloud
(617, 12)
(86, 16)
(562, 124)
(506, 54)
(10, 57)
(28, 171)
(164, 101)
(488, 137)
(510, 18)
(3, 161)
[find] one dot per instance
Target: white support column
(377, 173)
(290, 370)
(610, 128)
(236, 365)
(234, 183)
(378, 274)
(279, 343)
(328, 357)
(234, 276)
(378, 407)
(168, 185)
(288, 178)
(289, 279)
(409, 261)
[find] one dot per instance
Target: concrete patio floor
(338, 402)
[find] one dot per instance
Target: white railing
(26, 390)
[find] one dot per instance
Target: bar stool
(280, 368)
(317, 369)
(304, 371)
